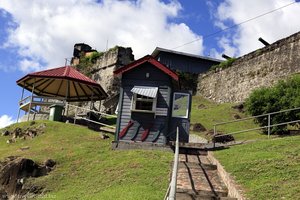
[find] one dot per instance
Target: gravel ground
(197, 139)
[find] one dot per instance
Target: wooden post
(76, 110)
(99, 109)
(65, 102)
(92, 104)
(31, 98)
(20, 105)
(68, 88)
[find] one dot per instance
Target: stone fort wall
(263, 67)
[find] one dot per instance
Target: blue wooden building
(151, 105)
(184, 62)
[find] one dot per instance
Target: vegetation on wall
(86, 62)
(223, 65)
(284, 95)
(188, 80)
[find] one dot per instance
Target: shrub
(284, 95)
(223, 65)
(87, 62)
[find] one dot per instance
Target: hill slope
(209, 113)
(87, 168)
(267, 169)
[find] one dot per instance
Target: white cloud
(47, 30)
(6, 120)
(29, 65)
(271, 27)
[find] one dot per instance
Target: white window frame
(187, 105)
(149, 99)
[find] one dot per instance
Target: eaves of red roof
(66, 72)
(151, 60)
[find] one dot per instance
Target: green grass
(266, 169)
(87, 168)
(213, 113)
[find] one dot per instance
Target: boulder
(49, 163)
(198, 127)
(13, 173)
(219, 138)
(104, 136)
(6, 133)
(239, 107)
(236, 116)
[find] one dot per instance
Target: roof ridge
(67, 71)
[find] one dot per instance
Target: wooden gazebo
(63, 84)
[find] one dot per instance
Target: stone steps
(186, 196)
(194, 158)
(197, 178)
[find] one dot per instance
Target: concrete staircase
(198, 179)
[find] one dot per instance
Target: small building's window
(142, 102)
(144, 99)
(180, 105)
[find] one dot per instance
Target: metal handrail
(173, 184)
(89, 110)
(89, 120)
(257, 116)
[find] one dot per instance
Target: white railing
(84, 110)
(269, 126)
(41, 99)
(171, 192)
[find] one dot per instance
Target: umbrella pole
(31, 98)
(20, 105)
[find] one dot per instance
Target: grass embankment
(209, 113)
(87, 168)
(266, 169)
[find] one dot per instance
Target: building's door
(181, 111)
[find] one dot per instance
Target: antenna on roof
(106, 44)
(67, 60)
(263, 41)
(226, 57)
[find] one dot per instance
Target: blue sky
(36, 35)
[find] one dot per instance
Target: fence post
(76, 110)
(215, 130)
(269, 124)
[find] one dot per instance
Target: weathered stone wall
(102, 72)
(263, 67)
(110, 61)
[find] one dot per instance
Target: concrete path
(196, 139)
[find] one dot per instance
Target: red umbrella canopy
(63, 82)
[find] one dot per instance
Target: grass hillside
(87, 168)
(209, 113)
(267, 169)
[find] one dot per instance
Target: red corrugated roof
(151, 60)
(66, 72)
